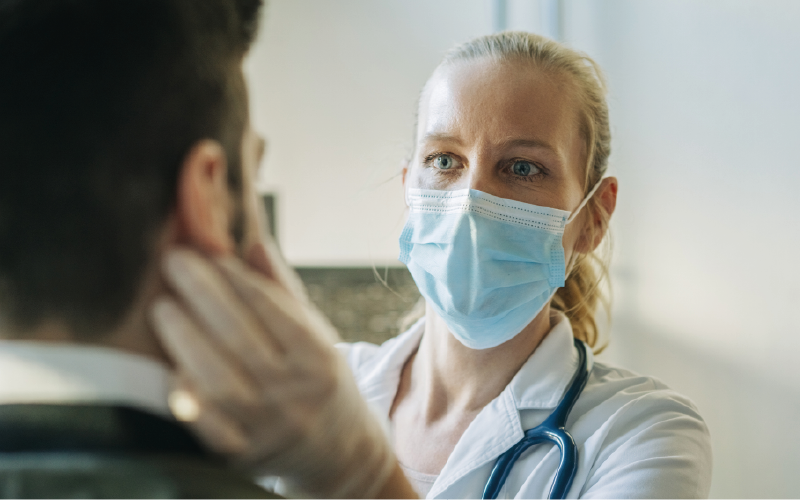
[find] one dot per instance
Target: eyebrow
(514, 142)
(528, 143)
(441, 137)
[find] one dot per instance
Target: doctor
(508, 200)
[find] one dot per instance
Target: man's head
(102, 105)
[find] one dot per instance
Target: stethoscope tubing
(551, 430)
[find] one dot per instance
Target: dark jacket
(87, 451)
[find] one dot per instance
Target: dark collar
(92, 428)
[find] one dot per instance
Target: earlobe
(203, 203)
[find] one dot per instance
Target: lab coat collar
(539, 384)
(543, 379)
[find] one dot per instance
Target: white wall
(334, 87)
(706, 117)
(705, 108)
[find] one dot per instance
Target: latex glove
(271, 391)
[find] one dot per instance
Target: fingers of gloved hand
(257, 258)
(198, 360)
(217, 308)
(295, 325)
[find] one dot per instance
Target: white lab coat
(636, 438)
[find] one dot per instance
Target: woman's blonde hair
(582, 293)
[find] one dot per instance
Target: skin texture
(480, 118)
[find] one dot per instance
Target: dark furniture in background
(358, 304)
(362, 303)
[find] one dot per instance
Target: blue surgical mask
(487, 265)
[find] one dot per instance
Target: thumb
(265, 258)
(257, 257)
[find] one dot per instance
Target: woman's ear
(204, 204)
(597, 226)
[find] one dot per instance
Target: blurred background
(705, 111)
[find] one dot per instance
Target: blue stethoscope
(552, 430)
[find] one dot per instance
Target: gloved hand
(261, 381)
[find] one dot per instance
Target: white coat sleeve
(658, 446)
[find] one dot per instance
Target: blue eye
(524, 168)
(444, 162)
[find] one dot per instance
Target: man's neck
(133, 334)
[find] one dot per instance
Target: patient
(124, 134)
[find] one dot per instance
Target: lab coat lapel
(496, 429)
(543, 379)
(539, 384)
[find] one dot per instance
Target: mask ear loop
(585, 200)
(575, 214)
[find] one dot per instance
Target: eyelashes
(444, 164)
(428, 160)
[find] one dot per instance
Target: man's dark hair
(100, 101)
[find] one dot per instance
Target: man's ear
(204, 204)
(597, 227)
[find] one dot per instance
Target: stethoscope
(552, 430)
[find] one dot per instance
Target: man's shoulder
(97, 475)
(79, 450)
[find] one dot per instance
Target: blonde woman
(508, 200)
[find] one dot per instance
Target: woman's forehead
(495, 100)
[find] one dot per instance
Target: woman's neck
(450, 378)
(444, 385)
